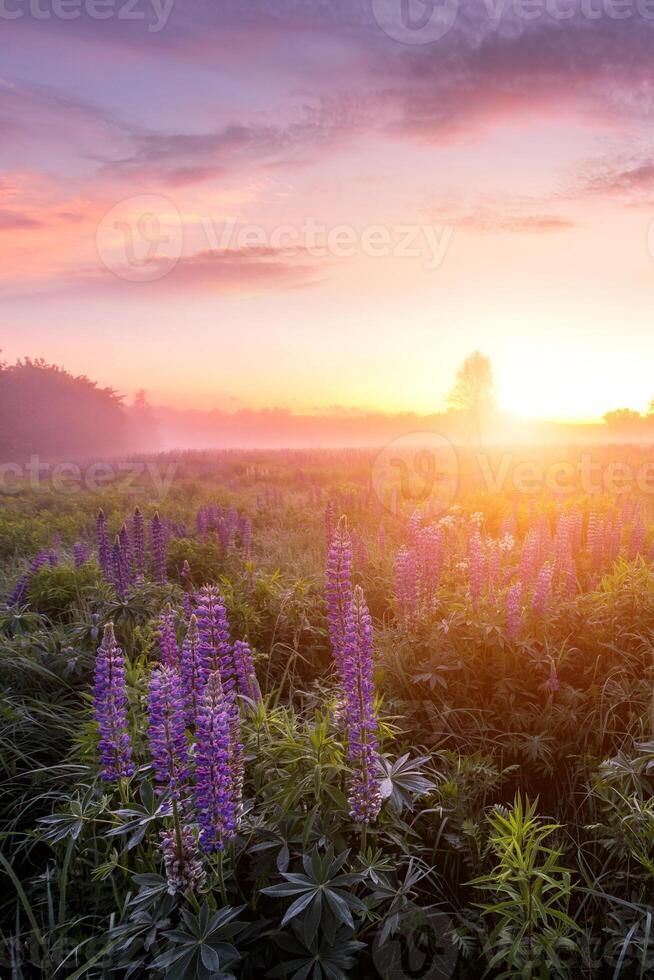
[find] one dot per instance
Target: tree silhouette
(47, 411)
(474, 390)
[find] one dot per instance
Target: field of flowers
(284, 723)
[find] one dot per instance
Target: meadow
(304, 715)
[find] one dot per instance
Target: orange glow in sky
(225, 225)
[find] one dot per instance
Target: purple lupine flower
(528, 561)
(406, 584)
(330, 522)
(52, 558)
(158, 547)
(514, 611)
(338, 586)
(126, 547)
(167, 732)
(359, 691)
(217, 764)
(184, 871)
(542, 590)
(186, 570)
(17, 597)
(246, 536)
(224, 535)
(194, 672)
(119, 570)
(104, 557)
(215, 649)
(168, 639)
(246, 675)
(595, 539)
(138, 539)
(81, 554)
(110, 708)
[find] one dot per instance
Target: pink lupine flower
(514, 611)
(542, 590)
(406, 584)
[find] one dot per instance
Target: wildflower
(103, 543)
(407, 586)
(339, 586)
(246, 676)
(119, 573)
(110, 708)
(168, 639)
(167, 732)
(81, 554)
(542, 590)
(246, 536)
(158, 545)
(192, 673)
(138, 538)
(330, 522)
(184, 871)
(17, 597)
(218, 779)
(364, 793)
(214, 647)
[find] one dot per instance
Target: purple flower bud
(246, 675)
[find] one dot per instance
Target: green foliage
(467, 725)
(531, 890)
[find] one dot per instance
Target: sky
(327, 204)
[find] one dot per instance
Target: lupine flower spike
(217, 769)
(339, 586)
(167, 733)
(110, 707)
(364, 792)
